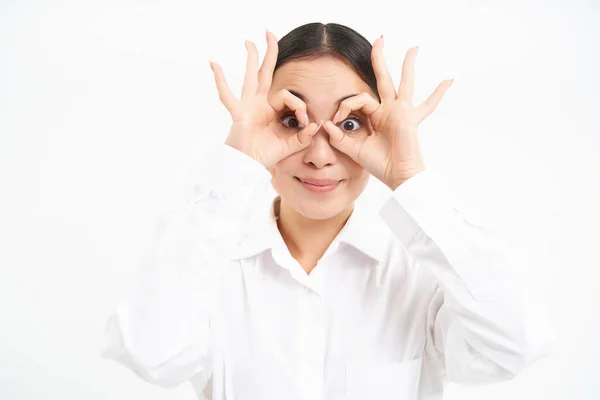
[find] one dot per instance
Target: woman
(303, 295)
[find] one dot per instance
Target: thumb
(302, 139)
(341, 141)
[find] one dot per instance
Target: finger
(265, 74)
(385, 84)
(251, 76)
(363, 102)
(407, 81)
(301, 140)
(343, 142)
(432, 101)
(225, 94)
(284, 98)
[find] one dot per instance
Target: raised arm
(486, 323)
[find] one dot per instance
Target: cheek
(359, 134)
(360, 177)
(283, 169)
(355, 170)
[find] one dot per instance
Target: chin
(318, 209)
(321, 214)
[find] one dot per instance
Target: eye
(293, 122)
(350, 124)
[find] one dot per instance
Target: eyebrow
(301, 97)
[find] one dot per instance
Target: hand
(391, 151)
(251, 116)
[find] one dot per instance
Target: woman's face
(321, 82)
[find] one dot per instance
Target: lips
(322, 189)
(319, 182)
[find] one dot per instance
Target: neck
(306, 238)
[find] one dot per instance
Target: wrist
(395, 183)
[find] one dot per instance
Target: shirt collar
(364, 230)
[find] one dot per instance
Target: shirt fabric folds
(406, 298)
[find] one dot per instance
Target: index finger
(284, 98)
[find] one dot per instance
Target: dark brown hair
(314, 40)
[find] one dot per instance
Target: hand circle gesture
(252, 114)
(391, 153)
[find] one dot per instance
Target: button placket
(310, 345)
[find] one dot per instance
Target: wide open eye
(292, 121)
(350, 124)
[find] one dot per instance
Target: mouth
(318, 188)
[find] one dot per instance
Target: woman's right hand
(252, 115)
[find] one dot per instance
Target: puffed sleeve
(163, 329)
(486, 323)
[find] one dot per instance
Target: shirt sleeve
(163, 329)
(486, 322)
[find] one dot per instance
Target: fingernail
(451, 82)
(267, 34)
(306, 121)
(335, 117)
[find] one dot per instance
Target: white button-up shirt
(403, 300)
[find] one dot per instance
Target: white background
(104, 104)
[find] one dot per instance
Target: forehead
(320, 80)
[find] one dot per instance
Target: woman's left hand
(391, 151)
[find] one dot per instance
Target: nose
(320, 152)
